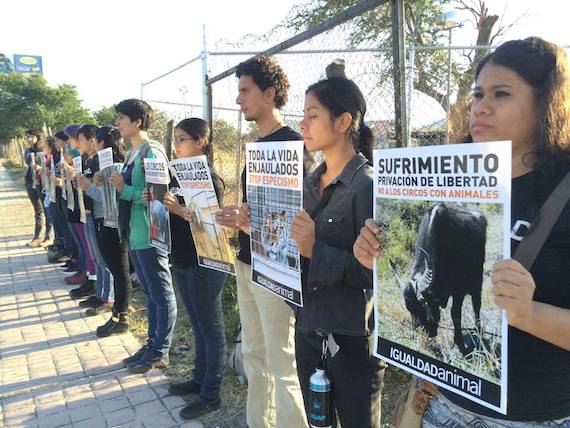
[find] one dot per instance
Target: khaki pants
(274, 397)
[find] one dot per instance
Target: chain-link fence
(416, 95)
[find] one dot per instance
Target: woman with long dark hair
(522, 94)
(200, 288)
(113, 249)
(337, 290)
(33, 187)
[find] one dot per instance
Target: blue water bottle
(321, 413)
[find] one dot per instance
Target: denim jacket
(336, 287)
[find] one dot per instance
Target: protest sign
(274, 176)
(444, 217)
(43, 172)
(69, 191)
(33, 170)
(62, 175)
(77, 165)
(106, 168)
(51, 174)
(196, 187)
(157, 179)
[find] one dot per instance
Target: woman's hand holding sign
(366, 247)
(303, 232)
(117, 181)
(513, 287)
(172, 205)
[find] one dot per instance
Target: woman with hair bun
(337, 290)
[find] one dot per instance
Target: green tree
(28, 101)
(158, 129)
(105, 116)
(373, 29)
(422, 27)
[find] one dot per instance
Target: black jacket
(337, 289)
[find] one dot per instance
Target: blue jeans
(104, 288)
(201, 293)
(151, 265)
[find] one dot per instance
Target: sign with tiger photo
(274, 177)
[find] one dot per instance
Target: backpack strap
(146, 147)
(548, 214)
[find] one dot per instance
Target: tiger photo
(274, 235)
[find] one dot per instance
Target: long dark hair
(111, 137)
(197, 129)
(50, 142)
(339, 96)
(544, 66)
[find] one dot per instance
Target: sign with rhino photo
(274, 176)
(157, 179)
(444, 217)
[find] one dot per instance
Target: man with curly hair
(267, 321)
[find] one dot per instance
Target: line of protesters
(522, 94)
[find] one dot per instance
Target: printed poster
(78, 166)
(275, 196)
(69, 191)
(106, 168)
(62, 175)
(157, 180)
(33, 168)
(444, 215)
(43, 172)
(196, 187)
(52, 181)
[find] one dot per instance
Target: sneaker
(70, 271)
(137, 355)
(200, 407)
(77, 279)
(99, 309)
(149, 360)
(90, 302)
(57, 257)
(117, 325)
(183, 388)
(70, 264)
(85, 290)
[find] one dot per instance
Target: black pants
(39, 216)
(356, 377)
(116, 256)
(49, 231)
(70, 248)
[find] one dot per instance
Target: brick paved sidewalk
(53, 370)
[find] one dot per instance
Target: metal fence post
(209, 117)
(207, 108)
(399, 73)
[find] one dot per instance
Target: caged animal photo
(434, 288)
(272, 212)
(274, 235)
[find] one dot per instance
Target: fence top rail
(332, 22)
(196, 58)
